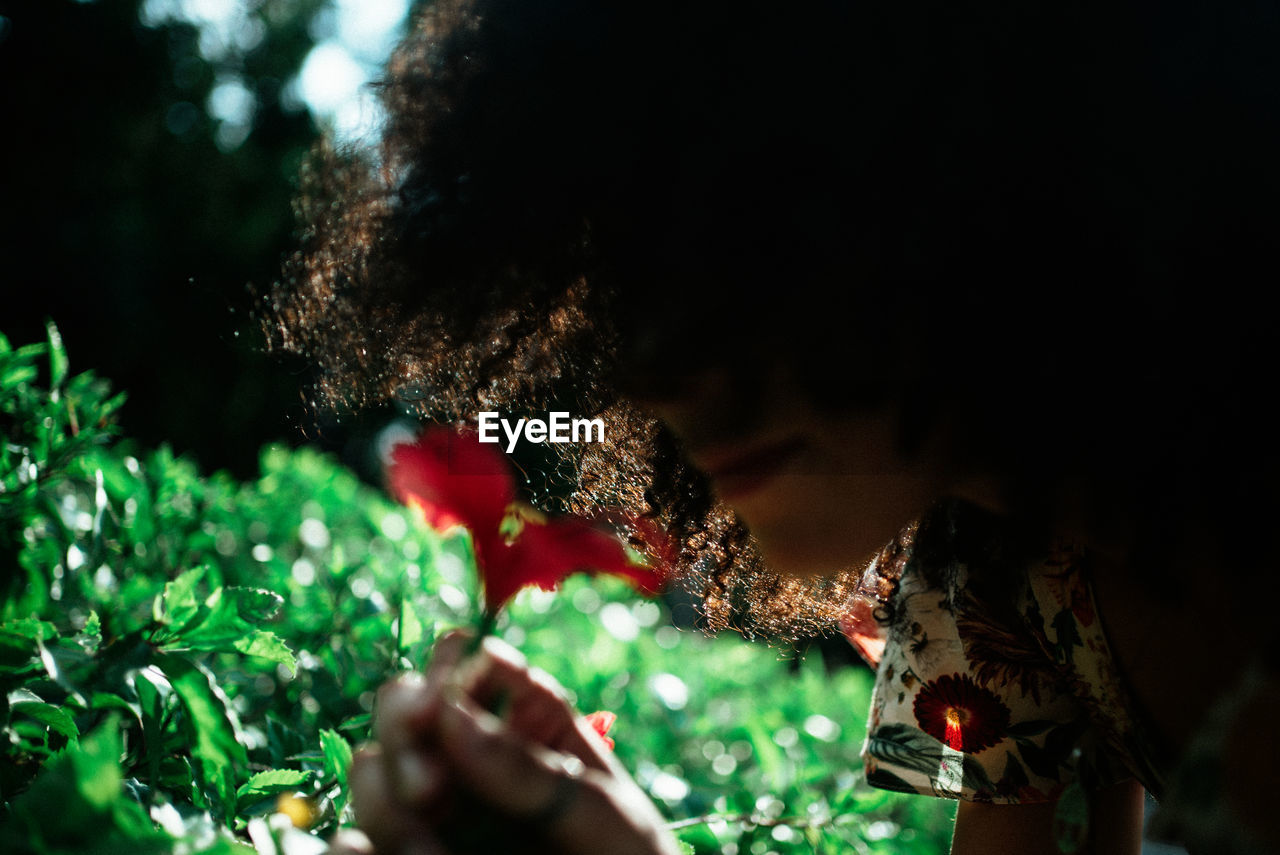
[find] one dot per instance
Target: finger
(351, 841)
(404, 714)
(497, 667)
(514, 774)
(390, 827)
(406, 705)
(400, 711)
(534, 704)
(586, 811)
(404, 720)
(449, 650)
(473, 674)
(407, 701)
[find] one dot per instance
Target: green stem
(488, 621)
(395, 664)
(498, 704)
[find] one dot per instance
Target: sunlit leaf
(252, 604)
(270, 783)
(268, 646)
(91, 636)
(57, 357)
(178, 605)
(216, 747)
(337, 756)
(56, 718)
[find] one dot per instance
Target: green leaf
(111, 701)
(252, 604)
(1025, 729)
(270, 783)
(20, 696)
(28, 628)
(97, 761)
(699, 837)
(217, 746)
(226, 621)
(411, 630)
(18, 367)
(152, 687)
(78, 804)
(54, 658)
(360, 723)
(57, 357)
(772, 760)
(178, 605)
(91, 636)
(267, 645)
(908, 747)
(337, 757)
(19, 650)
(54, 717)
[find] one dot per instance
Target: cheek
(850, 496)
(823, 524)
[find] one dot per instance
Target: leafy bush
(186, 660)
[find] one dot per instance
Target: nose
(713, 408)
(679, 397)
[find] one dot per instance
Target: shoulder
(974, 698)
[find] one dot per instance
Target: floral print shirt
(995, 682)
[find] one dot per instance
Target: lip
(739, 472)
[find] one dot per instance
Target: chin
(802, 558)
(827, 521)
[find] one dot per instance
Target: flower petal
(958, 712)
(600, 722)
(453, 479)
(546, 553)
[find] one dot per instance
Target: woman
(825, 270)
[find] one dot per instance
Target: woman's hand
(445, 769)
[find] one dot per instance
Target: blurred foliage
(186, 661)
(136, 213)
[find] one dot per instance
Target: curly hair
(1038, 229)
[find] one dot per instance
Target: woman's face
(820, 493)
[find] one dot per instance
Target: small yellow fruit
(299, 810)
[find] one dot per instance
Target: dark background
(125, 221)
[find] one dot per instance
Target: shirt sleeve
(968, 704)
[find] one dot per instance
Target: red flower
(455, 480)
(961, 714)
(601, 722)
